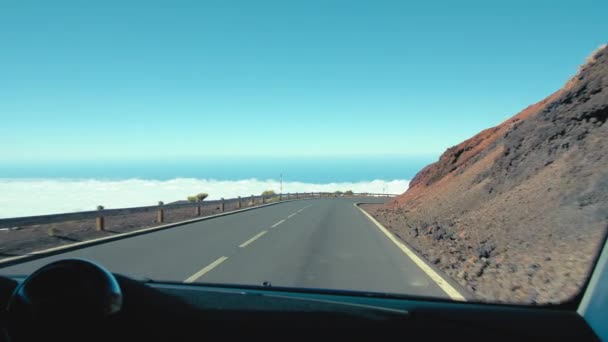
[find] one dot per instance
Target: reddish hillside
(516, 213)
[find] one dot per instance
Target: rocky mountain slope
(517, 212)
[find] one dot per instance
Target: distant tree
(201, 196)
(338, 193)
(192, 199)
(268, 193)
(348, 193)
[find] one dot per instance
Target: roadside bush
(348, 193)
(268, 193)
(201, 196)
(192, 199)
(53, 231)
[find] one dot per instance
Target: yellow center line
(244, 244)
(206, 269)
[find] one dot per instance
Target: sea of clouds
(27, 197)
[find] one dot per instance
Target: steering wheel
(62, 297)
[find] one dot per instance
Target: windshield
(446, 150)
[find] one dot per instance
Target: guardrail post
(160, 217)
(238, 203)
(263, 199)
(198, 209)
(222, 205)
(252, 200)
(280, 196)
(297, 196)
(99, 220)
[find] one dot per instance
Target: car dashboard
(51, 306)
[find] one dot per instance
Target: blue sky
(152, 80)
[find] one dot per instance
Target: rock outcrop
(517, 212)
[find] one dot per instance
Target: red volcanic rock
(517, 212)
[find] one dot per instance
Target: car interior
(75, 299)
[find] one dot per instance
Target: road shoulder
(448, 285)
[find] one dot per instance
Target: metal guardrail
(99, 215)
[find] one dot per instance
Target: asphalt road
(321, 243)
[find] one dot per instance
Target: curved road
(320, 243)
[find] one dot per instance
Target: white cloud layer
(24, 197)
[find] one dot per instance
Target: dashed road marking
(244, 244)
(206, 269)
(276, 224)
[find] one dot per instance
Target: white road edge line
(206, 269)
(276, 224)
(442, 283)
(244, 244)
(292, 215)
